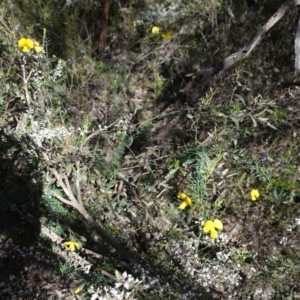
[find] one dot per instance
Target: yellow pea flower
(155, 30)
(167, 35)
(181, 195)
(211, 226)
(25, 44)
(254, 195)
(37, 47)
(218, 224)
(213, 233)
(72, 246)
(186, 200)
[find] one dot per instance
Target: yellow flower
(186, 200)
(213, 233)
(25, 44)
(155, 30)
(211, 226)
(72, 246)
(37, 47)
(167, 35)
(218, 224)
(254, 195)
(79, 289)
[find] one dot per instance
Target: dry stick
(94, 134)
(104, 21)
(84, 264)
(77, 183)
(81, 209)
(58, 240)
(297, 50)
(25, 84)
(235, 57)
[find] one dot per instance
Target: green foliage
(200, 174)
(116, 133)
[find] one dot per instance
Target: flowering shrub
(103, 137)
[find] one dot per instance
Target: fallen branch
(69, 256)
(238, 56)
(74, 257)
(71, 200)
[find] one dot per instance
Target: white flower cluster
(23, 59)
(157, 13)
(216, 274)
(148, 281)
(126, 281)
(58, 70)
(129, 285)
(297, 221)
(263, 294)
(122, 126)
(41, 131)
(50, 133)
(283, 241)
(222, 240)
(37, 79)
(223, 256)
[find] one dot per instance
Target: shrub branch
(238, 56)
(64, 183)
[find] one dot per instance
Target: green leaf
(253, 120)
(239, 97)
(235, 121)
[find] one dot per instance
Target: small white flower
(125, 275)
(118, 284)
(12, 277)
(126, 286)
